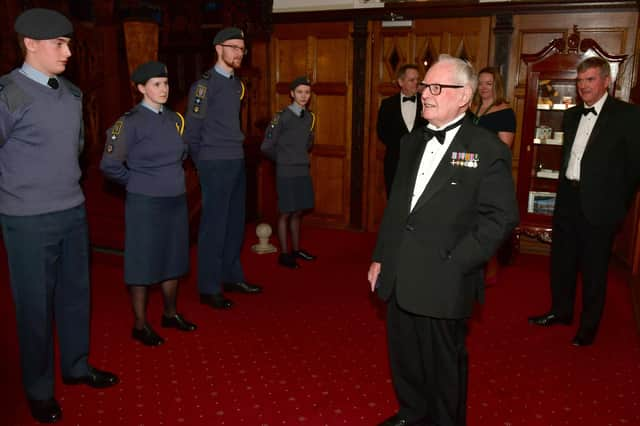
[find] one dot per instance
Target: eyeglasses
(242, 50)
(436, 88)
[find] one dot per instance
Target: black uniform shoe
(96, 379)
(147, 336)
(216, 301)
(399, 421)
(288, 261)
(242, 287)
(45, 411)
(582, 340)
(549, 319)
(301, 254)
(177, 321)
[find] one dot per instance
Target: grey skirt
(294, 193)
(156, 239)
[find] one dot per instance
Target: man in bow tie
(443, 221)
(398, 115)
(599, 175)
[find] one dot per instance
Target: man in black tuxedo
(599, 176)
(398, 115)
(452, 204)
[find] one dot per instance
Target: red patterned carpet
(311, 351)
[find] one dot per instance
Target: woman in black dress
(491, 111)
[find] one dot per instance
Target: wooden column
(360, 36)
(503, 32)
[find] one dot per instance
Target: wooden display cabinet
(550, 90)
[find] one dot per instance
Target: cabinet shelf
(547, 142)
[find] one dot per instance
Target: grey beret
(147, 71)
(302, 80)
(43, 24)
(229, 33)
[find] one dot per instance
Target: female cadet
(144, 152)
(288, 140)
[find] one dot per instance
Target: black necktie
(439, 134)
(586, 111)
(301, 113)
(53, 83)
(409, 98)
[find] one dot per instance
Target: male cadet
(215, 140)
(42, 212)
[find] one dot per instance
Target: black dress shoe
(288, 261)
(95, 378)
(216, 301)
(242, 287)
(549, 319)
(177, 321)
(396, 420)
(582, 340)
(147, 336)
(45, 411)
(303, 255)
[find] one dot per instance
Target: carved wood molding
(453, 8)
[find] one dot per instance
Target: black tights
(139, 297)
(294, 226)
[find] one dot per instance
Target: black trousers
(579, 246)
(429, 366)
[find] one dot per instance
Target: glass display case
(551, 89)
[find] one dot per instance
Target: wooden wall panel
(423, 43)
(614, 31)
(323, 52)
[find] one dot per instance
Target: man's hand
(372, 276)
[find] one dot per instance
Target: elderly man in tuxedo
(452, 204)
(599, 176)
(398, 115)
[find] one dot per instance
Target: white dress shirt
(582, 137)
(431, 158)
(408, 109)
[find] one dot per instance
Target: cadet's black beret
(148, 70)
(229, 33)
(298, 81)
(43, 24)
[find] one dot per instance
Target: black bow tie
(409, 98)
(53, 83)
(439, 134)
(586, 111)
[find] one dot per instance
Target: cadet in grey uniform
(144, 152)
(42, 212)
(215, 144)
(287, 141)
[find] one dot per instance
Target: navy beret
(302, 80)
(147, 71)
(229, 33)
(43, 24)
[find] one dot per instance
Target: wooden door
(421, 44)
(323, 52)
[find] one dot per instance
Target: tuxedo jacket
(433, 255)
(391, 128)
(610, 165)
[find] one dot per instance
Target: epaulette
(75, 90)
(206, 75)
(11, 93)
(276, 118)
